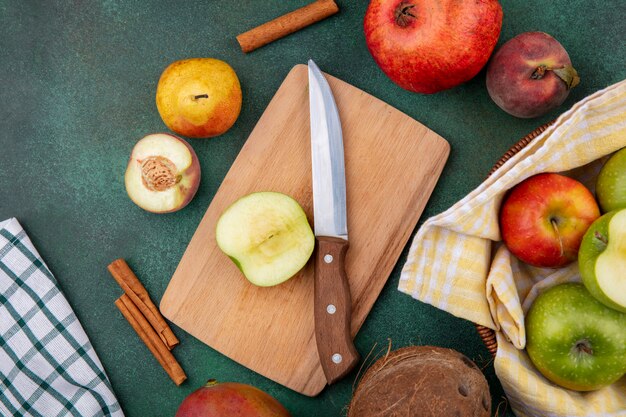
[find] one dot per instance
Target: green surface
(77, 85)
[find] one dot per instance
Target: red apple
(230, 399)
(530, 75)
(431, 45)
(544, 218)
(163, 173)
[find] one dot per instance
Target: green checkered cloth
(48, 367)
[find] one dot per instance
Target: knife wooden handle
(333, 307)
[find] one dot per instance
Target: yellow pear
(199, 97)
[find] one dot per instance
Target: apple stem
(200, 96)
(556, 230)
(601, 237)
(584, 346)
(403, 13)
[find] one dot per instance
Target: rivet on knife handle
(333, 309)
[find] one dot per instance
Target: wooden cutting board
(392, 165)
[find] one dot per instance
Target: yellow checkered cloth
(457, 263)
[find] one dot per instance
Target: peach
(163, 173)
(530, 75)
(199, 97)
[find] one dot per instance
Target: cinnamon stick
(149, 336)
(286, 24)
(129, 282)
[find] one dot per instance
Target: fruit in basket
(543, 219)
(602, 259)
(199, 97)
(611, 183)
(163, 173)
(530, 75)
(428, 46)
(574, 340)
(230, 399)
(424, 381)
(267, 235)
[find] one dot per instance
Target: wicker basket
(486, 334)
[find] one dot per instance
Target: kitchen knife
(332, 304)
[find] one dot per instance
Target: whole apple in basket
(602, 259)
(431, 45)
(544, 218)
(574, 340)
(611, 183)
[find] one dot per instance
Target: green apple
(611, 183)
(574, 340)
(267, 235)
(602, 259)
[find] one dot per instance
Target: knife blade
(332, 304)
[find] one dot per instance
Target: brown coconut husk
(422, 381)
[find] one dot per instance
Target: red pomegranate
(432, 45)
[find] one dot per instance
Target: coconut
(422, 381)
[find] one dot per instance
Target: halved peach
(163, 173)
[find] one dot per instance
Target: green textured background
(77, 85)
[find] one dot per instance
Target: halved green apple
(602, 259)
(267, 235)
(163, 173)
